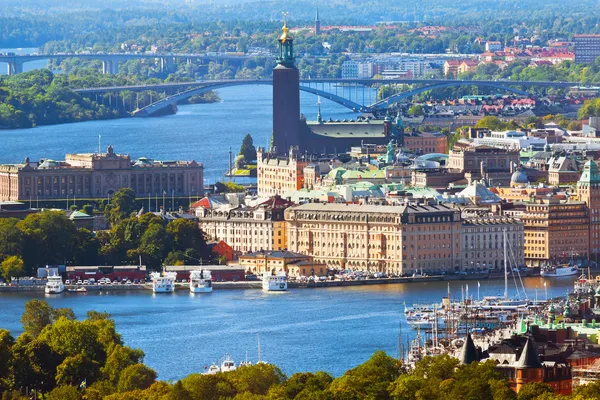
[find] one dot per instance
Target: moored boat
(201, 281)
(274, 282)
(55, 284)
(559, 271)
(164, 283)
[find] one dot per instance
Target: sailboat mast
(258, 338)
(505, 266)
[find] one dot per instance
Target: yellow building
(555, 231)
(293, 264)
(393, 239)
(246, 229)
(277, 175)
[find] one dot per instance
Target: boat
(201, 281)
(274, 282)
(77, 290)
(164, 283)
(55, 284)
(227, 365)
(559, 271)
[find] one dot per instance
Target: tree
(248, 150)
(11, 237)
(64, 393)
(416, 110)
(37, 315)
(86, 248)
(530, 391)
(49, 237)
(12, 267)
(6, 343)
(121, 205)
(88, 209)
(369, 380)
(136, 376)
(491, 122)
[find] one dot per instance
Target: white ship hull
(558, 272)
(54, 290)
(274, 286)
(201, 289)
(162, 288)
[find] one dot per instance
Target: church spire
(317, 23)
(319, 117)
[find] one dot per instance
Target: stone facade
(247, 229)
(293, 264)
(277, 175)
(393, 239)
(555, 231)
(98, 176)
(471, 158)
(483, 242)
(588, 191)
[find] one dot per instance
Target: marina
(333, 338)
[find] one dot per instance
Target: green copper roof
(590, 173)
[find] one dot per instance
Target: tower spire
(317, 23)
(319, 117)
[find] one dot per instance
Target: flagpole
(478, 286)
(545, 290)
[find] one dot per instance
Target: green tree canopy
(248, 150)
(121, 205)
(12, 267)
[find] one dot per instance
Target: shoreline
(291, 285)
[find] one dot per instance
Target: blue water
(201, 132)
(331, 329)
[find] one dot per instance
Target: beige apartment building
(98, 175)
(555, 231)
(393, 239)
(467, 158)
(277, 175)
(483, 242)
(293, 264)
(247, 229)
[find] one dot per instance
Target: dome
(519, 178)
(144, 162)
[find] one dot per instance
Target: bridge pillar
(15, 67)
(110, 67)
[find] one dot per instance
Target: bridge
(110, 61)
(182, 91)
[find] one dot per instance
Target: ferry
(274, 283)
(559, 271)
(201, 281)
(164, 283)
(54, 285)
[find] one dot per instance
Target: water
(331, 329)
(29, 66)
(201, 132)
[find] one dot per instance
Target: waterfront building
(247, 228)
(555, 231)
(279, 174)
(483, 242)
(218, 272)
(398, 240)
(588, 191)
(587, 48)
(293, 264)
(98, 175)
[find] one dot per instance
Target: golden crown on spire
(284, 36)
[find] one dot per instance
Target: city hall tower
(286, 96)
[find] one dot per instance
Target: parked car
(67, 282)
(79, 282)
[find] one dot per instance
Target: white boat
(164, 283)
(274, 283)
(54, 285)
(201, 281)
(555, 272)
(227, 365)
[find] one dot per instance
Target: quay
(291, 284)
